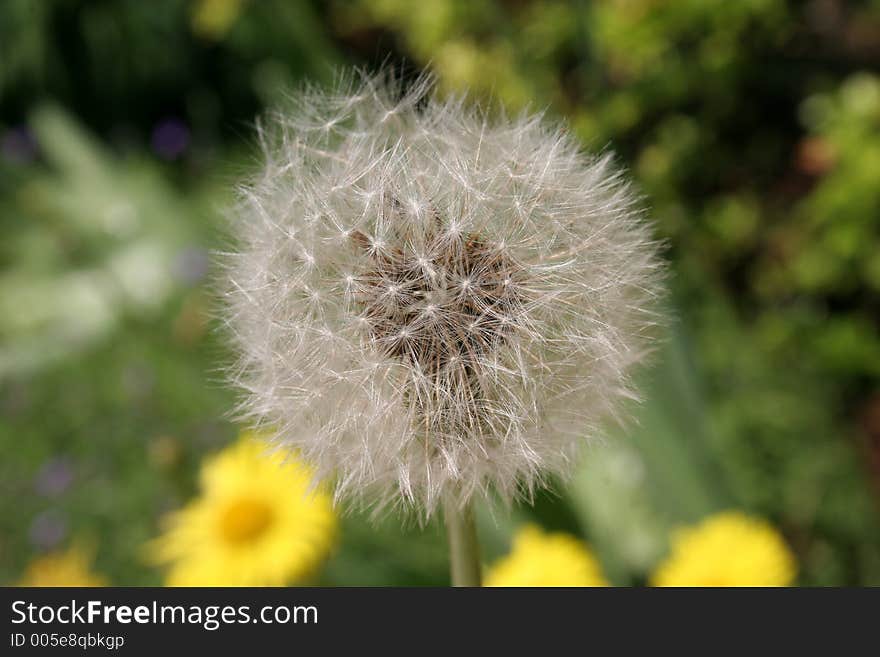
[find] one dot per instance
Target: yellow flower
(212, 19)
(546, 559)
(69, 568)
(727, 549)
(257, 522)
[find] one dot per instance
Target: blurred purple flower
(212, 433)
(48, 530)
(191, 265)
(18, 145)
(54, 477)
(15, 399)
(170, 139)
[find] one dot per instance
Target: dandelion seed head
(479, 318)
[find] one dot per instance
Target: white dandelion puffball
(429, 303)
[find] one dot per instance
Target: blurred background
(752, 127)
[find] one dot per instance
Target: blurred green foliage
(753, 128)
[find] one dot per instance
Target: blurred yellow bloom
(727, 549)
(487, 69)
(72, 567)
(539, 558)
(257, 522)
(212, 19)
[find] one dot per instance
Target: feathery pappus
(430, 302)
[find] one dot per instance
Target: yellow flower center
(244, 520)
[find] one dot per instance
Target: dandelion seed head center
(423, 309)
(487, 290)
(244, 519)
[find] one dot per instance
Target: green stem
(464, 549)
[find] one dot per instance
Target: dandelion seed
(494, 292)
